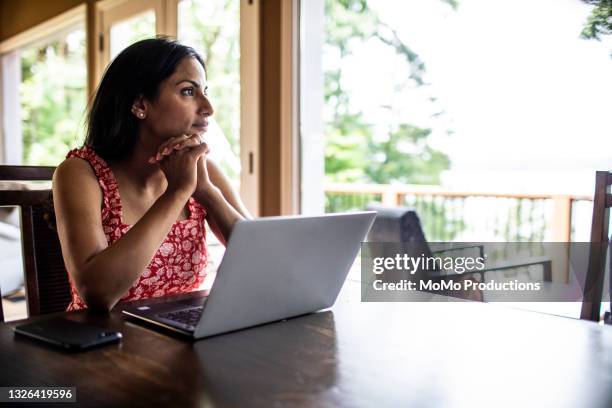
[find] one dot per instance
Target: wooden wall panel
(279, 113)
(17, 16)
(271, 108)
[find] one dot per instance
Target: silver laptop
(273, 268)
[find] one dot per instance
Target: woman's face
(182, 106)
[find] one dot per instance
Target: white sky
(527, 99)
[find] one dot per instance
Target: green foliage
(600, 21)
(53, 98)
(353, 153)
(405, 157)
(345, 156)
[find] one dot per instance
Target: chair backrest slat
(24, 197)
(26, 173)
(593, 285)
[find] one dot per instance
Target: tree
(600, 21)
(353, 153)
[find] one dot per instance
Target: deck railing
(475, 215)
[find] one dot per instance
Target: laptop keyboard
(189, 317)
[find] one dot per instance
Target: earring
(141, 115)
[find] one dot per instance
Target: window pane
(52, 97)
(129, 31)
(213, 29)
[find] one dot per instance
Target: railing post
(391, 197)
(562, 219)
(562, 232)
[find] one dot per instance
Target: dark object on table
(68, 334)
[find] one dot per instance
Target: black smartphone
(68, 334)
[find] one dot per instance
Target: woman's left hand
(175, 143)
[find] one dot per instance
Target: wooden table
(357, 354)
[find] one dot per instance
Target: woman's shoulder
(89, 155)
(74, 172)
(75, 189)
(85, 162)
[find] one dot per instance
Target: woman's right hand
(181, 170)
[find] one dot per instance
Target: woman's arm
(230, 194)
(222, 202)
(101, 273)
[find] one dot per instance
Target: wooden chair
(46, 280)
(593, 285)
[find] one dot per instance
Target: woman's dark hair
(112, 128)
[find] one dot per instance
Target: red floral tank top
(178, 266)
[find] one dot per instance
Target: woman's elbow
(97, 305)
(96, 300)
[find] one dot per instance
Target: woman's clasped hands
(183, 161)
(174, 144)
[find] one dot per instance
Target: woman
(131, 203)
